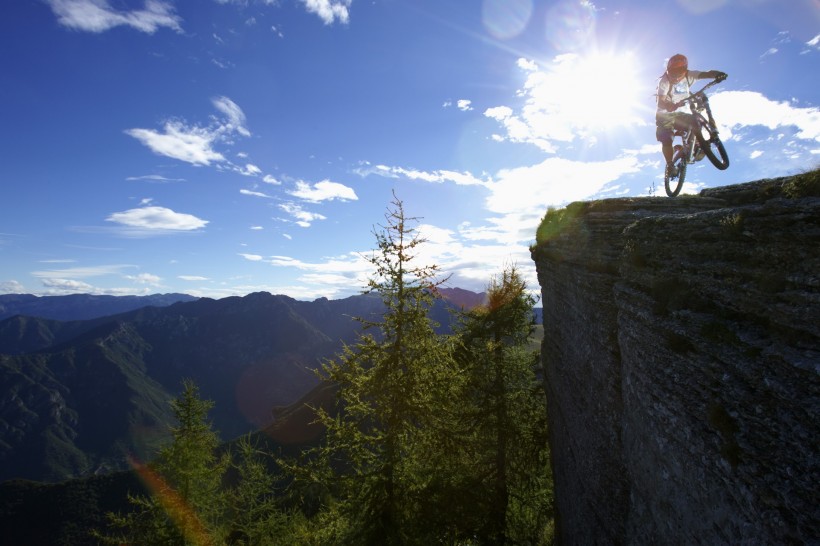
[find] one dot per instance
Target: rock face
(682, 362)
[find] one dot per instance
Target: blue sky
(222, 147)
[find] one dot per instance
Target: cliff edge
(682, 364)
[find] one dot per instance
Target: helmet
(677, 66)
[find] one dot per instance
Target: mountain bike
(698, 140)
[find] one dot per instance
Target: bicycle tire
(673, 186)
(712, 146)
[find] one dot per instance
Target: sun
(588, 93)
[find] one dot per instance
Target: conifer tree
(389, 385)
(253, 509)
(186, 504)
(503, 422)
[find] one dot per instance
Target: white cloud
(744, 108)
(303, 217)
(190, 144)
(554, 181)
(236, 117)
(464, 105)
(99, 16)
(12, 287)
(252, 257)
(440, 176)
(155, 178)
(192, 278)
(255, 194)
(251, 170)
(769, 52)
(755, 154)
(329, 10)
(68, 286)
(144, 278)
(564, 101)
(195, 144)
(323, 191)
(268, 179)
(81, 272)
(157, 218)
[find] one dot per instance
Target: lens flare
(505, 19)
(183, 516)
(570, 25)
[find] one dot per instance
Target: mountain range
(78, 396)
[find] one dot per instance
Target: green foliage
(503, 422)
(393, 386)
(186, 505)
(557, 221)
(436, 440)
(433, 439)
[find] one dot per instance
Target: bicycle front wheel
(711, 145)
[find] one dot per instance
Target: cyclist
(672, 87)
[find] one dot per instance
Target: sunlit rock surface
(682, 360)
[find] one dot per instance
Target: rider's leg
(666, 149)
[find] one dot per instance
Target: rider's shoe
(671, 170)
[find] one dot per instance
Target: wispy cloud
(145, 278)
(192, 278)
(323, 191)
(190, 144)
(236, 120)
(303, 218)
(155, 178)
(462, 178)
(255, 193)
(99, 16)
(195, 144)
(82, 272)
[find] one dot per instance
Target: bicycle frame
(700, 138)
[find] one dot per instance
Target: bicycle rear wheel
(711, 145)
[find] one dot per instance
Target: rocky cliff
(682, 363)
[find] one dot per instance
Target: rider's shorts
(668, 122)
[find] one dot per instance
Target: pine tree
(503, 423)
(186, 505)
(389, 383)
(253, 506)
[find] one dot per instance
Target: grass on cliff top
(803, 185)
(556, 221)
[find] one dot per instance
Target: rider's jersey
(676, 91)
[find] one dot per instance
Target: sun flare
(589, 94)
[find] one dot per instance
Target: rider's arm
(712, 74)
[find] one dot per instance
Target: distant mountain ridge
(77, 396)
(81, 306)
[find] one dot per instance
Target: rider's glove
(721, 76)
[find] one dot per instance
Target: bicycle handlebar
(696, 93)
